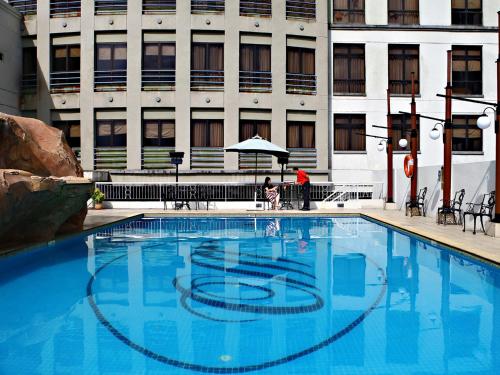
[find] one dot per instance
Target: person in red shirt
(303, 180)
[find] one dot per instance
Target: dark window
(401, 127)
(349, 69)
(111, 133)
(467, 137)
(467, 71)
(350, 132)
(403, 60)
(349, 11)
(207, 65)
(255, 67)
(66, 58)
(158, 64)
(250, 128)
(300, 134)
(300, 70)
(71, 130)
(29, 80)
(207, 133)
(111, 64)
(158, 133)
(466, 12)
(403, 12)
(261, 8)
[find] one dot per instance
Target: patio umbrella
(257, 145)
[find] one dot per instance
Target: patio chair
(455, 207)
(480, 210)
(419, 204)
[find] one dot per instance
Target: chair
(420, 202)
(286, 197)
(480, 210)
(455, 207)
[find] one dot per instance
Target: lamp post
(176, 159)
(390, 149)
(283, 160)
(447, 138)
(414, 145)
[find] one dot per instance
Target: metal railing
(158, 79)
(25, 7)
(301, 9)
(342, 192)
(110, 78)
(207, 6)
(207, 80)
(65, 81)
(262, 8)
(301, 83)
(29, 82)
(207, 157)
(109, 158)
(110, 6)
(158, 6)
(247, 161)
(157, 157)
(65, 8)
(256, 81)
(302, 158)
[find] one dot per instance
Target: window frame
(68, 48)
(351, 13)
(301, 125)
(405, 57)
(404, 127)
(465, 13)
(402, 12)
(470, 124)
(208, 129)
(255, 124)
(349, 79)
(302, 51)
(114, 46)
(351, 129)
(466, 72)
(113, 124)
(159, 55)
(65, 126)
(160, 123)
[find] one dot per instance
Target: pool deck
(478, 245)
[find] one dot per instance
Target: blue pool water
(234, 295)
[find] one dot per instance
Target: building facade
(128, 82)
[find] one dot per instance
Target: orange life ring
(409, 162)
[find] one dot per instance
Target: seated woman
(271, 193)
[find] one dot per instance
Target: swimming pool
(263, 295)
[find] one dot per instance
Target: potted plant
(98, 198)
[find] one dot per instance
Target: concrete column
(43, 57)
(322, 79)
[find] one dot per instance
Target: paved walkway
(479, 245)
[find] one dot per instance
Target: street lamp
(403, 143)
(283, 160)
(176, 159)
(483, 121)
(434, 134)
(381, 146)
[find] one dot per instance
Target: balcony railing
(207, 157)
(29, 82)
(301, 9)
(110, 6)
(156, 157)
(302, 158)
(247, 161)
(255, 81)
(207, 80)
(65, 8)
(301, 84)
(25, 7)
(158, 6)
(110, 78)
(110, 158)
(207, 6)
(158, 79)
(262, 8)
(65, 81)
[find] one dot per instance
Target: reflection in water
(235, 294)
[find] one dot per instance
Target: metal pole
(496, 219)
(447, 137)
(390, 147)
(414, 143)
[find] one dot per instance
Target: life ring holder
(409, 163)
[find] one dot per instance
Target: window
(207, 133)
(111, 64)
(158, 133)
(207, 66)
(466, 12)
(467, 137)
(300, 134)
(401, 127)
(207, 6)
(158, 6)
(29, 80)
(403, 60)
(71, 130)
(300, 70)
(158, 64)
(349, 11)
(110, 6)
(467, 72)
(348, 69)
(65, 67)
(65, 8)
(111, 133)
(250, 128)
(261, 8)
(255, 67)
(349, 132)
(403, 12)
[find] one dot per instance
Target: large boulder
(35, 209)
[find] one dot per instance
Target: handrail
(158, 6)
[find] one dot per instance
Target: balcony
(207, 6)
(65, 81)
(29, 83)
(261, 8)
(65, 8)
(106, 158)
(302, 158)
(25, 7)
(108, 80)
(110, 6)
(301, 84)
(207, 80)
(300, 9)
(255, 81)
(156, 157)
(158, 79)
(207, 157)
(158, 6)
(247, 161)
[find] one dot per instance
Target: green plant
(98, 196)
